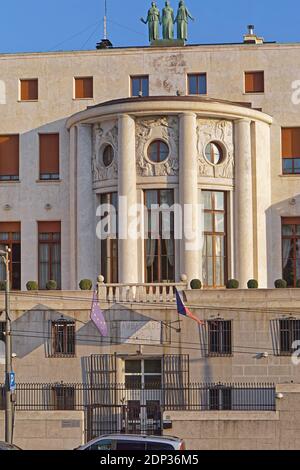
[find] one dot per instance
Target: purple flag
(97, 316)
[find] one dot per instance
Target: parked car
(134, 442)
(5, 446)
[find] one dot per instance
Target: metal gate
(132, 418)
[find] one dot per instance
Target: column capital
(243, 120)
(187, 114)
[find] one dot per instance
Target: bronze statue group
(167, 20)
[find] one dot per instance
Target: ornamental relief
(106, 134)
(221, 132)
(150, 129)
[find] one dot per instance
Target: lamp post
(8, 351)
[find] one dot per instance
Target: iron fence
(195, 397)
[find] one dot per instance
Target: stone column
(188, 196)
(243, 203)
(128, 272)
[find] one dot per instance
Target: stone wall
(42, 430)
(229, 430)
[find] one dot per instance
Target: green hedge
(232, 284)
(252, 284)
(32, 285)
(196, 284)
(51, 285)
(86, 284)
(280, 284)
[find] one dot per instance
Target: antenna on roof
(105, 43)
(105, 21)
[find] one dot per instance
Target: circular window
(158, 151)
(214, 153)
(108, 155)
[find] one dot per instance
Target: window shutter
(10, 227)
(254, 82)
(287, 142)
(29, 90)
(9, 155)
(84, 87)
(49, 154)
(49, 227)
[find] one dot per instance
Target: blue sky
(48, 25)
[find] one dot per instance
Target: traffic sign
(12, 381)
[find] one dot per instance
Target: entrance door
(143, 381)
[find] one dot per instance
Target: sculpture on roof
(182, 20)
(153, 20)
(168, 22)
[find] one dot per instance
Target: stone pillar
(128, 272)
(243, 203)
(188, 196)
(73, 213)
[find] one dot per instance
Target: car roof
(138, 437)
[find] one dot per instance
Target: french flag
(183, 310)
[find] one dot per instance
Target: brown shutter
(290, 220)
(29, 90)
(291, 142)
(84, 87)
(254, 82)
(49, 227)
(49, 154)
(249, 83)
(12, 227)
(9, 155)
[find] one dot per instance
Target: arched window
(158, 151)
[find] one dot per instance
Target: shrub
(51, 285)
(280, 284)
(196, 284)
(232, 284)
(32, 285)
(298, 284)
(86, 284)
(2, 285)
(252, 284)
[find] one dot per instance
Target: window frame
(292, 158)
(142, 375)
(51, 242)
(224, 349)
(110, 264)
(65, 405)
(51, 176)
(85, 77)
(253, 72)
(293, 327)
(10, 242)
(198, 76)
(12, 178)
(159, 240)
(34, 100)
(215, 234)
(294, 222)
(66, 338)
(140, 78)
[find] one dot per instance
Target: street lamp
(5, 255)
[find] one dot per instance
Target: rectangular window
(109, 247)
(219, 338)
(64, 398)
(291, 250)
(49, 157)
(290, 137)
(84, 88)
(29, 89)
(220, 399)
(63, 338)
(214, 256)
(254, 82)
(289, 333)
(197, 84)
(145, 373)
(9, 158)
(140, 86)
(49, 253)
(10, 235)
(159, 246)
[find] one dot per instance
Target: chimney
(251, 37)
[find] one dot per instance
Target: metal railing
(194, 397)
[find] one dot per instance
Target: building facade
(213, 126)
